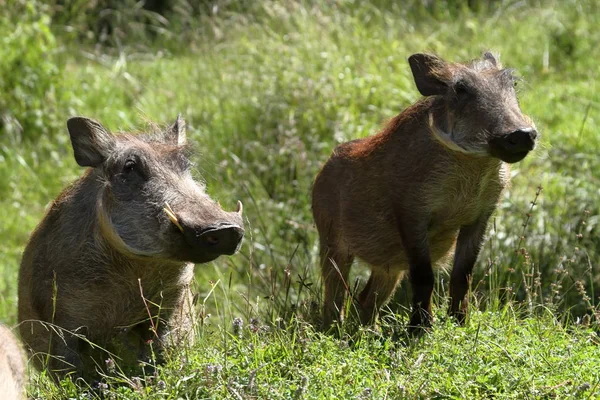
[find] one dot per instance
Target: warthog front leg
(416, 246)
(470, 241)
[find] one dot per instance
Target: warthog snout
(514, 146)
(206, 238)
(221, 239)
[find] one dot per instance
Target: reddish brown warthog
(13, 370)
(111, 262)
(400, 200)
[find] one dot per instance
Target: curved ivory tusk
(240, 207)
(171, 214)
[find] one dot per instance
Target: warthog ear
(175, 134)
(92, 143)
(427, 70)
(488, 56)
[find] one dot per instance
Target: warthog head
(478, 112)
(148, 204)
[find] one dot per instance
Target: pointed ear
(92, 143)
(175, 134)
(489, 56)
(425, 69)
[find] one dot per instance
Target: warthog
(111, 263)
(12, 366)
(400, 200)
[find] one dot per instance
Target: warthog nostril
(533, 134)
(212, 240)
(521, 140)
(522, 134)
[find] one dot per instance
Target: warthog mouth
(110, 234)
(446, 139)
(513, 157)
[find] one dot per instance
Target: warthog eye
(461, 89)
(129, 166)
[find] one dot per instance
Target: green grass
(497, 355)
(268, 89)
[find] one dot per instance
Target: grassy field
(268, 89)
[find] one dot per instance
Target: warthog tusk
(171, 214)
(240, 207)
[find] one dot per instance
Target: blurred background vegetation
(268, 88)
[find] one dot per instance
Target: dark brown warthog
(402, 199)
(12, 366)
(118, 246)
